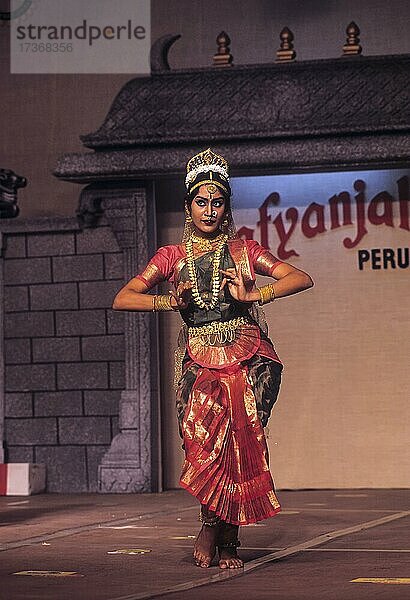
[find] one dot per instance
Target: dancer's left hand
(233, 278)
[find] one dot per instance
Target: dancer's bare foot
(229, 559)
(227, 545)
(205, 545)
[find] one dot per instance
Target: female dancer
(228, 373)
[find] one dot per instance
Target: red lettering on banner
(284, 236)
(318, 210)
(313, 222)
(264, 218)
(344, 198)
(385, 200)
(403, 185)
(359, 186)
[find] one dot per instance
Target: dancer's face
(208, 209)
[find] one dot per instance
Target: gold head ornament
(203, 162)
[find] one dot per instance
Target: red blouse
(168, 261)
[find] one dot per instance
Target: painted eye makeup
(216, 203)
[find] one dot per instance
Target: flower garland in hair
(205, 169)
(215, 280)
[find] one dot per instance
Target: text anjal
(313, 221)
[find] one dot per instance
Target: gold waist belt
(218, 332)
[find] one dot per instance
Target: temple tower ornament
(286, 52)
(223, 57)
(352, 46)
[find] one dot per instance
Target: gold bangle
(154, 304)
(263, 296)
(162, 303)
(267, 294)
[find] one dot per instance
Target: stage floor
(325, 544)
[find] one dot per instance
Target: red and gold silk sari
(226, 391)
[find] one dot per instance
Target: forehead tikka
(211, 188)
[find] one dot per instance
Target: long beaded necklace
(215, 279)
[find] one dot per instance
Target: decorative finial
(159, 53)
(286, 51)
(352, 46)
(223, 57)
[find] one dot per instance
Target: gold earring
(188, 217)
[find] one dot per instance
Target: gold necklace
(206, 244)
(215, 279)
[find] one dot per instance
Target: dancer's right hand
(182, 295)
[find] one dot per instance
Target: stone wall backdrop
(64, 347)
